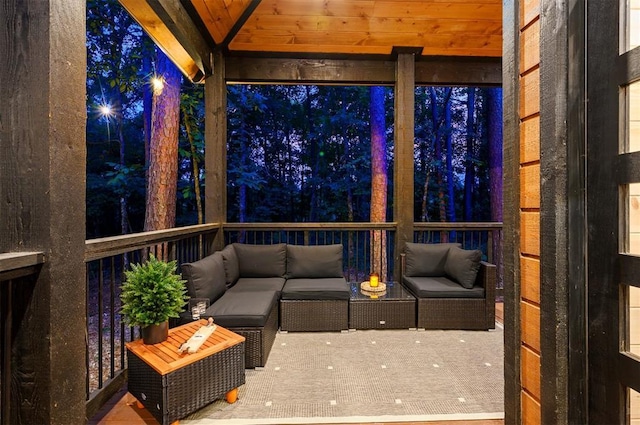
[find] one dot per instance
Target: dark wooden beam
(403, 168)
(179, 22)
(459, 71)
(606, 396)
(380, 71)
(511, 216)
(311, 71)
(563, 215)
(216, 148)
(42, 187)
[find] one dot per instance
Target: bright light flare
(157, 84)
(106, 110)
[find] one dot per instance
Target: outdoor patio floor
(122, 410)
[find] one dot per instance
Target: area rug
(370, 376)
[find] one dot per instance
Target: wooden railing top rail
(495, 225)
(19, 264)
(114, 245)
(310, 226)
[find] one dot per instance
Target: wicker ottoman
(172, 385)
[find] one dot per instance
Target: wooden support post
(216, 147)
(403, 146)
(42, 187)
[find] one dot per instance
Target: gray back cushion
(426, 259)
(462, 266)
(231, 268)
(206, 278)
(317, 261)
(261, 260)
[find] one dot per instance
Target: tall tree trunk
(147, 110)
(470, 174)
(163, 152)
(194, 164)
(494, 130)
(437, 149)
(379, 180)
(451, 201)
(314, 156)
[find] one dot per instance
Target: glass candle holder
(374, 279)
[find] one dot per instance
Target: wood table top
(165, 358)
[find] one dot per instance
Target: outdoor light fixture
(106, 110)
(157, 83)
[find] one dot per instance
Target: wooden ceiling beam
(428, 71)
(240, 22)
(170, 27)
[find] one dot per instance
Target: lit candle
(373, 280)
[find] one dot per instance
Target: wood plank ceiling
(321, 27)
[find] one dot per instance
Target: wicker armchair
(442, 303)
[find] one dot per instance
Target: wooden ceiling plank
(352, 8)
(381, 25)
(240, 21)
(468, 10)
(294, 48)
(209, 20)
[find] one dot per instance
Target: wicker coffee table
(172, 385)
(395, 308)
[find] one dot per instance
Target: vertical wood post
(216, 147)
(403, 178)
(42, 188)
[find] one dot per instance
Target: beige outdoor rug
(370, 376)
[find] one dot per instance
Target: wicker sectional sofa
(255, 289)
(453, 287)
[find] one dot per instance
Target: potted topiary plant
(152, 293)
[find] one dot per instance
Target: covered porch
(48, 261)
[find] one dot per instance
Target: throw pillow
(231, 268)
(426, 259)
(261, 260)
(316, 261)
(206, 277)
(462, 266)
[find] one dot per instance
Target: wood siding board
(606, 398)
(530, 93)
(531, 372)
(530, 139)
(530, 233)
(530, 47)
(42, 187)
(530, 186)
(530, 315)
(529, 11)
(511, 229)
(530, 410)
(530, 279)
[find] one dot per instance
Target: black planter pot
(155, 334)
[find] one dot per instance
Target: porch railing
(107, 258)
(16, 268)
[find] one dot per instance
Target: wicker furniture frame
(396, 309)
(461, 313)
(172, 385)
(314, 315)
(259, 340)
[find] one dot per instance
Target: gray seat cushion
(314, 261)
(242, 309)
(261, 260)
(259, 284)
(332, 288)
(426, 259)
(206, 277)
(440, 287)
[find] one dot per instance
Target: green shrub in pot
(152, 293)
